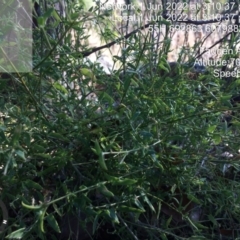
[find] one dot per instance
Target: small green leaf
(120, 181)
(138, 204)
(48, 13)
(38, 148)
(212, 128)
(31, 184)
(60, 87)
(127, 82)
(197, 238)
(57, 210)
(53, 223)
(145, 198)
(173, 188)
(168, 221)
(20, 154)
(212, 219)
(107, 98)
(193, 198)
(163, 236)
(125, 208)
(56, 16)
(2, 136)
(18, 234)
(164, 68)
(199, 225)
(95, 222)
(125, 181)
(74, 16)
(217, 139)
(113, 215)
(57, 136)
(193, 224)
(42, 155)
(103, 189)
(90, 9)
(41, 22)
(87, 73)
(101, 159)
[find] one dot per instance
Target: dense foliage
(140, 153)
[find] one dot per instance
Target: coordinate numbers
(180, 6)
(180, 27)
(197, 28)
(222, 28)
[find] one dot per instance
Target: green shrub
(131, 151)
